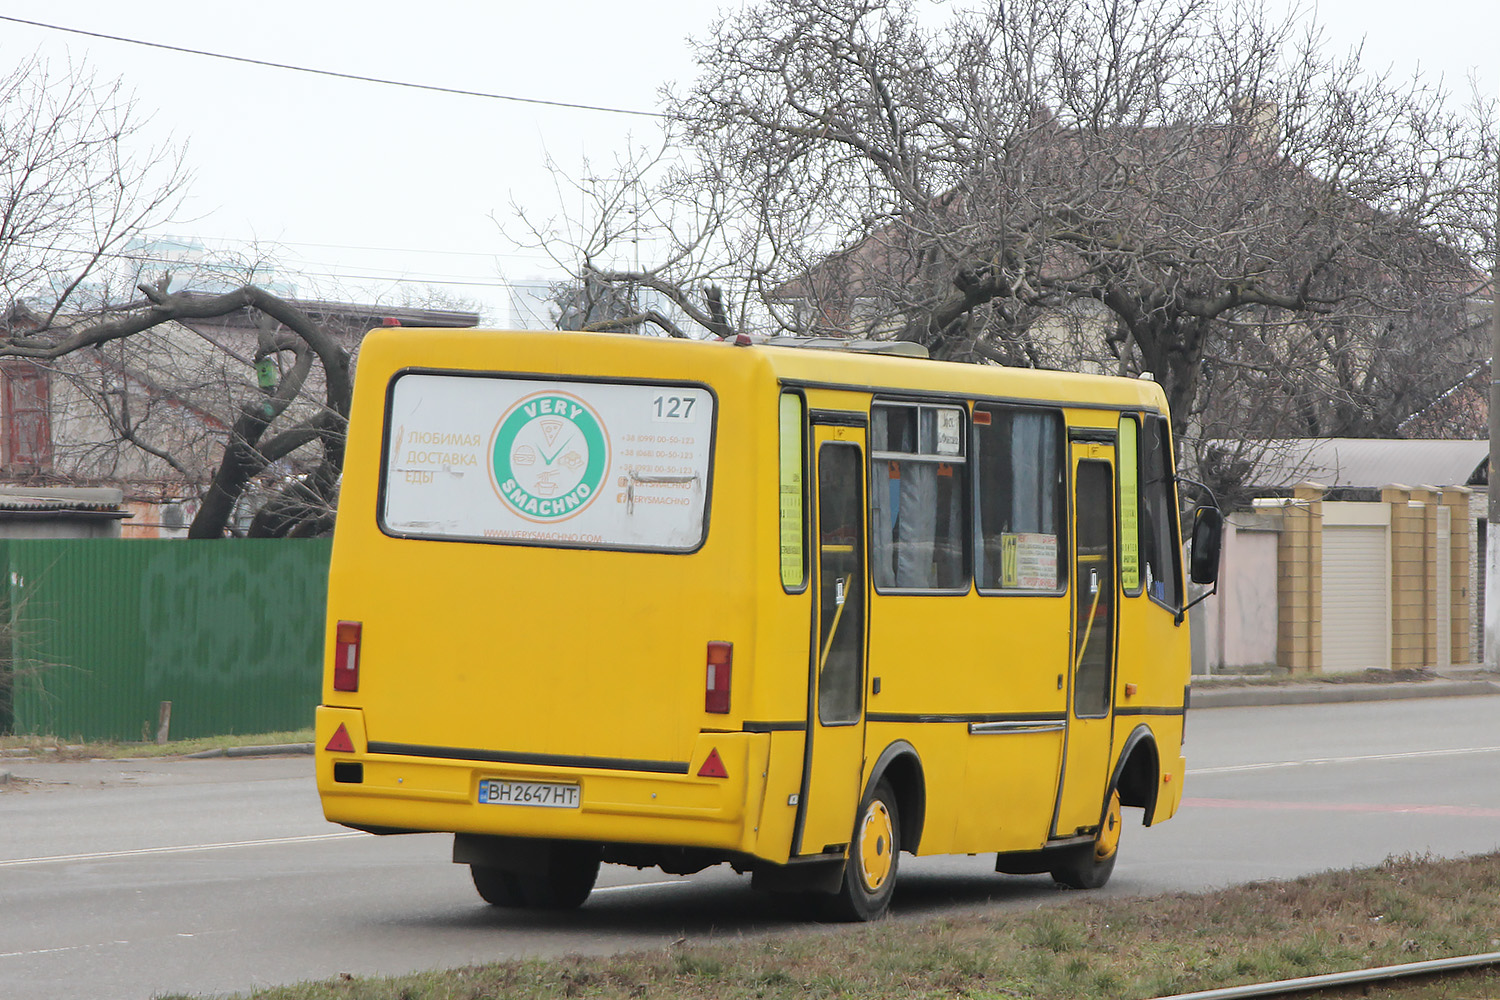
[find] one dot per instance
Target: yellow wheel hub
(873, 849)
(1108, 840)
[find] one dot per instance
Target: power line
(189, 241)
(186, 241)
(334, 73)
(496, 283)
(305, 269)
(392, 276)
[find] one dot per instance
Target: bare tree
(239, 428)
(705, 260)
(78, 181)
(79, 184)
(1199, 190)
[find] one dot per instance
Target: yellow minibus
(609, 598)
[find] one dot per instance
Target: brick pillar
(1430, 498)
(1299, 585)
(1456, 499)
(1413, 576)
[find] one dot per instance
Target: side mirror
(1208, 536)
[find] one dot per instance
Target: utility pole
(1492, 528)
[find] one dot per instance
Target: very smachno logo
(549, 456)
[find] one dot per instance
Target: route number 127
(669, 407)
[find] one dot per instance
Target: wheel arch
(901, 767)
(1137, 774)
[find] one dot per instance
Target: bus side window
(1160, 553)
(918, 475)
(1133, 531)
(792, 462)
(1020, 498)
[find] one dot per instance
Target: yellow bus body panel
(537, 663)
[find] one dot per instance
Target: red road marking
(1475, 812)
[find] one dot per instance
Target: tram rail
(1343, 980)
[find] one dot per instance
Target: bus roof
(575, 353)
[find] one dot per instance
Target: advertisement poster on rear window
(548, 462)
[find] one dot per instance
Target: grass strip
(53, 748)
(1405, 910)
(1282, 678)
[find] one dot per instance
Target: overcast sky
(358, 186)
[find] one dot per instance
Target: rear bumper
(422, 790)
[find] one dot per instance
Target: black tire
(874, 857)
(1089, 866)
(497, 886)
(563, 882)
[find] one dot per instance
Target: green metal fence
(97, 633)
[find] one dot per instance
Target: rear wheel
(497, 886)
(1089, 866)
(562, 882)
(874, 855)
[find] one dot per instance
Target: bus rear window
(547, 462)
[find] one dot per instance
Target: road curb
(280, 750)
(1327, 694)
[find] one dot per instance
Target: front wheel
(1089, 866)
(874, 855)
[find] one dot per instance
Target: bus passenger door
(834, 759)
(1080, 800)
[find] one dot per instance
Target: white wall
(1239, 623)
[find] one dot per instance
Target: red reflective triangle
(341, 743)
(713, 767)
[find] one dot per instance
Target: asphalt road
(130, 879)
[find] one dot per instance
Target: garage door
(1356, 598)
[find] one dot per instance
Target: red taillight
(716, 688)
(346, 656)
